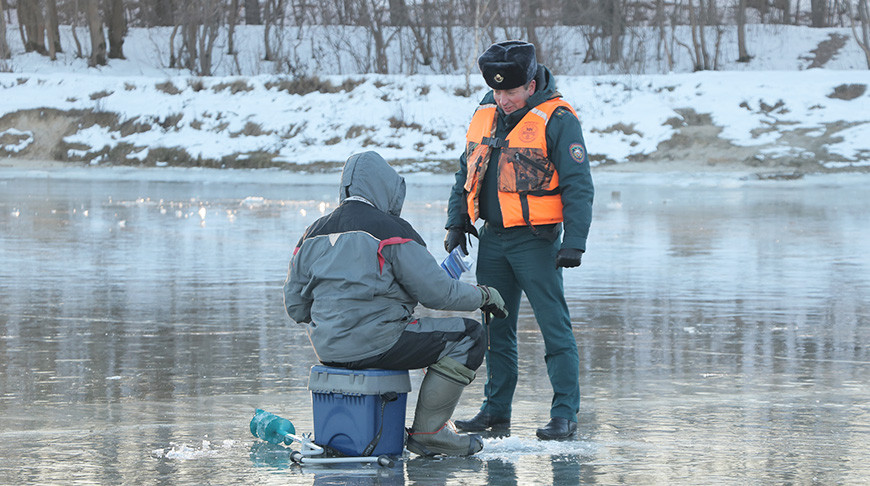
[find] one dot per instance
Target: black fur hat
(508, 64)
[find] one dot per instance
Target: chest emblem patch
(578, 153)
(528, 132)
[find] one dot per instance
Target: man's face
(511, 100)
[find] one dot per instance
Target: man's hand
(493, 303)
(455, 237)
(568, 257)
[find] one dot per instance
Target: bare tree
(699, 48)
(421, 24)
(32, 26)
(5, 53)
(162, 12)
(116, 22)
(605, 28)
(273, 14)
(74, 24)
(662, 45)
(529, 12)
(399, 12)
(818, 13)
(570, 12)
(232, 21)
(199, 22)
(740, 17)
(614, 28)
(52, 29)
(864, 20)
(481, 12)
(252, 12)
(449, 21)
(702, 32)
(373, 16)
(784, 6)
(95, 27)
(701, 17)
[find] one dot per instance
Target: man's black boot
(481, 422)
(557, 428)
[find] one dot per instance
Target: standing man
(354, 280)
(526, 174)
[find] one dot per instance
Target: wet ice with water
(722, 324)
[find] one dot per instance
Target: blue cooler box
(347, 409)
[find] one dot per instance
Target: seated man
(356, 276)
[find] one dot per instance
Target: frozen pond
(723, 324)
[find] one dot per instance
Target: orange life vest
(528, 185)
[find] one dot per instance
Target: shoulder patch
(578, 152)
(561, 111)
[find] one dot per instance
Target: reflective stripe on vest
(528, 185)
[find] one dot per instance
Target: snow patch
(20, 140)
(511, 449)
(184, 452)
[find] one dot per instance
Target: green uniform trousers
(514, 260)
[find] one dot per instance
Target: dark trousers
(427, 340)
(514, 260)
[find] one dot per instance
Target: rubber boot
(432, 432)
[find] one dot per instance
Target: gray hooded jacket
(358, 273)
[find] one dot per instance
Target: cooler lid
(325, 379)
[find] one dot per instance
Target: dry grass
(251, 129)
(357, 130)
(619, 127)
(100, 94)
(132, 126)
(400, 123)
(167, 87)
(309, 84)
(234, 87)
(170, 121)
(848, 91)
(196, 84)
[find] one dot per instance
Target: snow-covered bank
(770, 114)
(814, 119)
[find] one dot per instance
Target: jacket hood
(545, 87)
(369, 176)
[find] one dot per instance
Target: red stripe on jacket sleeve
(389, 241)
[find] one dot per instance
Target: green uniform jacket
(563, 134)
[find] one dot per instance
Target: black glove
(455, 237)
(568, 257)
(492, 303)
